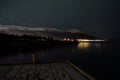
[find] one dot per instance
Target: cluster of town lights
(83, 40)
(67, 39)
(79, 40)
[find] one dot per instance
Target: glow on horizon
(90, 40)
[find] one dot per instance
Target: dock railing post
(34, 62)
(34, 58)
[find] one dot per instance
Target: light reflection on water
(51, 53)
(88, 45)
(84, 45)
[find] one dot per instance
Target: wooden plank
(63, 72)
(75, 75)
(43, 72)
(13, 72)
(26, 73)
(5, 71)
(59, 72)
(2, 68)
(80, 71)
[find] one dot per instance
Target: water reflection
(59, 52)
(88, 45)
(84, 45)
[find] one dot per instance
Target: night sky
(96, 17)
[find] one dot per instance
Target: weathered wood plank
(80, 71)
(43, 72)
(26, 73)
(5, 71)
(13, 72)
(59, 72)
(74, 74)
(2, 68)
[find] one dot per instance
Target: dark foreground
(44, 71)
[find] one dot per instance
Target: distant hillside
(43, 32)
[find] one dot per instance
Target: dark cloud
(97, 17)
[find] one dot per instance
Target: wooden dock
(62, 70)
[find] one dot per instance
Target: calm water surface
(100, 60)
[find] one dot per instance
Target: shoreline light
(90, 40)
